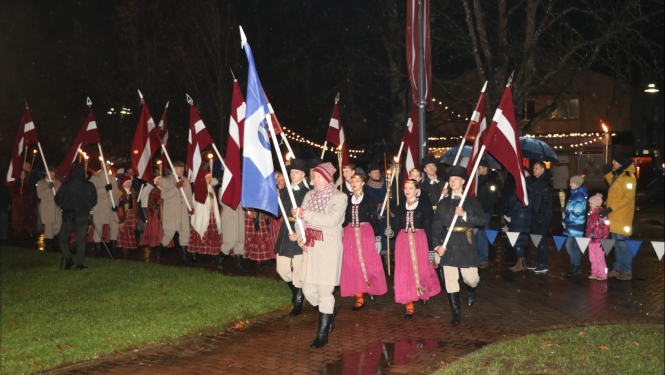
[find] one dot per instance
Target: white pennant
(582, 242)
(607, 244)
(536, 238)
(512, 237)
(658, 246)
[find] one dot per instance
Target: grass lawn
(50, 317)
(607, 349)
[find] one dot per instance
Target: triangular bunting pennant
(536, 238)
(558, 241)
(582, 242)
(512, 237)
(633, 246)
(658, 247)
(491, 235)
(607, 245)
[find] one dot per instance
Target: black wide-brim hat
(429, 160)
(298, 164)
(373, 166)
(313, 163)
(456, 171)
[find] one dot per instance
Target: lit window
(568, 109)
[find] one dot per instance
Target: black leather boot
(470, 295)
(574, 271)
(219, 259)
(185, 261)
(193, 257)
(69, 262)
(48, 244)
(439, 275)
(160, 252)
(113, 249)
(238, 264)
(298, 299)
(455, 307)
(322, 332)
(97, 252)
(331, 325)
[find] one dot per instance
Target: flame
(605, 128)
(210, 155)
(396, 159)
(159, 162)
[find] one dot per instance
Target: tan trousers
(451, 274)
(238, 247)
(321, 296)
(51, 229)
(183, 237)
(289, 269)
(113, 226)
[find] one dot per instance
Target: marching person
(348, 171)
(76, 197)
(128, 215)
(518, 218)
(258, 239)
(50, 214)
(540, 201)
(460, 254)
(415, 278)
(375, 187)
(105, 213)
(430, 182)
(423, 196)
(206, 222)
(362, 271)
(289, 253)
(152, 236)
(176, 212)
(323, 211)
(488, 195)
(233, 236)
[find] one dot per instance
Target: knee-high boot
(185, 261)
(455, 307)
(322, 331)
(238, 264)
(297, 299)
(219, 259)
(470, 295)
(160, 252)
(441, 277)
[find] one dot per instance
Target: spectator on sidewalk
(518, 218)
(488, 195)
(620, 211)
(540, 201)
(596, 229)
(573, 223)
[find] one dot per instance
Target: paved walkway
(378, 337)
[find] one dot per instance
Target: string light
(298, 138)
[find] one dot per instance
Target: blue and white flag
(259, 189)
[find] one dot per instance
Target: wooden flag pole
(385, 199)
(48, 175)
(284, 215)
(25, 158)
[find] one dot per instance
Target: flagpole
(182, 190)
(25, 158)
(219, 156)
(385, 199)
(325, 144)
(101, 154)
(48, 175)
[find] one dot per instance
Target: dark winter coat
(520, 216)
(366, 213)
(76, 193)
(284, 246)
(575, 213)
(540, 200)
(488, 191)
(460, 252)
(422, 219)
(433, 190)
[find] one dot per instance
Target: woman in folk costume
(258, 239)
(362, 270)
(323, 211)
(128, 215)
(415, 278)
(154, 232)
(460, 254)
(206, 222)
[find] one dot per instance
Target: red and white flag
(26, 136)
(163, 132)
(410, 139)
(230, 192)
(413, 50)
(475, 133)
(336, 133)
(199, 139)
(503, 142)
(87, 135)
(146, 142)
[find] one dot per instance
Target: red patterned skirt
(258, 243)
(106, 234)
(274, 224)
(211, 243)
(153, 233)
(126, 236)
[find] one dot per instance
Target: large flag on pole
(199, 139)
(336, 133)
(410, 139)
(412, 49)
(231, 181)
(87, 135)
(258, 175)
(475, 133)
(163, 131)
(146, 142)
(503, 142)
(26, 136)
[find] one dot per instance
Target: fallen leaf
(5, 350)
(575, 342)
(214, 294)
(584, 351)
(443, 363)
(109, 339)
(549, 345)
(586, 359)
(68, 346)
(31, 364)
(239, 326)
(636, 343)
(616, 356)
(189, 297)
(30, 288)
(219, 333)
(582, 333)
(118, 353)
(58, 347)
(602, 347)
(284, 308)
(13, 320)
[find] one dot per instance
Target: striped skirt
(211, 243)
(361, 268)
(258, 243)
(407, 288)
(126, 236)
(153, 233)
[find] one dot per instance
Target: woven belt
(468, 231)
(292, 219)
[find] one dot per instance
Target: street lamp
(606, 135)
(651, 88)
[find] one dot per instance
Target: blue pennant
(633, 246)
(491, 235)
(558, 241)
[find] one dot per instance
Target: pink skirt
(405, 281)
(258, 243)
(153, 233)
(352, 280)
(211, 243)
(126, 236)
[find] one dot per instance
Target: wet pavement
(377, 339)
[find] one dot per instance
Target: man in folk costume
(206, 222)
(460, 254)
(348, 171)
(128, 215)
(430, 182)
(176, 213)
(104, 213)
(50, 214)
(312, 163)
(233, 228)
(323, 211)
(289, 253)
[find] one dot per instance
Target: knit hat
(596, 200)
(577, 180)
(125, 179)
(622, 159)
(484, 163)
(326, 170)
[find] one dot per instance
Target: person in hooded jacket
(573, 223)
(540, 201)
(488, 195)
(76, 197)
(518, 218)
